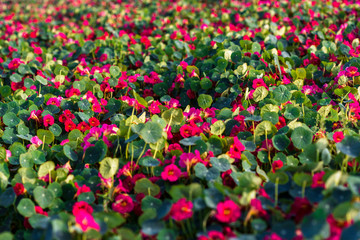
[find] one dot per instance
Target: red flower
(181, 210)
(48, 120)
(69, 125)
(94, 122)
(338, 136)
(19, 189)
(123, 204)
(236, 149)
(352, 72)
(82, 189)
(276, 165)
(318, 180)
(227, 212)
(171, 173)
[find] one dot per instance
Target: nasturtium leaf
(291, 112)
(302, 179)
(149, 162)
(71, 154)
(15, 78)
(150, 202)
(109, 167)
(114, 71)
(26, 160)
(10, 119)
(279, 177)
(5, 91)
(7, 197)
(204, 101)
(282, 94)
(55, 129)
(265, 128)
(273, 117)
(46, 168)
(280, 142)
(56, 189)
(217, 128)
(146, 187)
(151, 133)
(301, 137)
(255, 47)
(221, 164)
(219, 38)
(39, 221)
(87, 197)
(95, 153)
(3, 108)
(301, 73)
(173, 116)
(236, 56)
(350, 145)
(43, 196)
(41, 80)
(45, 135)
(260, 93)
(26, 207)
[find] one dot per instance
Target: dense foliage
(180, 120)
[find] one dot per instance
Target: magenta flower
(123, 204)
(181, 210)
(236, 149)
(352, 72)
(48, 120)
(227, 212)
(338, 136)
(86, 221)
(171, 173)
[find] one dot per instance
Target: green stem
(276, 191)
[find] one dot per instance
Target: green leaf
(301, 137)
(301, 73)
(95, 153)
(221, 164)
(71, 154)
(301, 178)
(45, 136)
(282, 94)
(55, 129)
(219, 38)
(146, 187)
(115, 71)
(204, 101)
(350, 145)
(26, 207)
(255, 47)
(236, 56)
(280, 142)
(41, 80)
(87, 197)
(15, 78)
(39, 221)
(280, 177)
(7, 198)
(173, 115)
(10, 119)
(217, 128)
(109, 167)
(46, 168)
(151, 132)
(43, 196)
(149, 162)
(260, 93)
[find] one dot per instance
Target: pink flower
(338, 136)
(123, 204)
(212, 235)
(36, 141)
(227, 212)
(236, 149)
(259, 83)
(181, 210)
(48, 120)
(171, 173)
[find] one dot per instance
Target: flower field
(207, 120)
